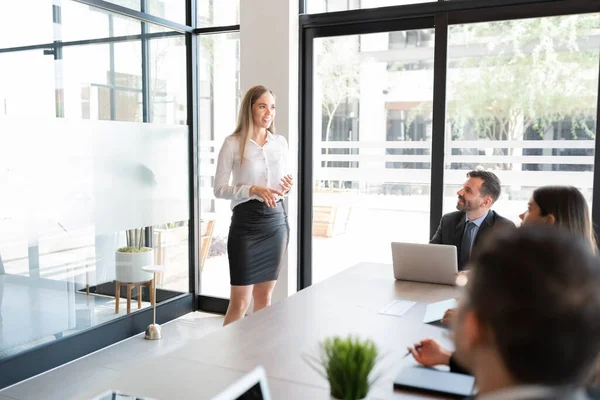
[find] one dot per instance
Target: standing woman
(256, 160)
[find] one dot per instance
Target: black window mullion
(440, 63)
(305, 158)
(111, 76)
(145, 43)
(191, 45)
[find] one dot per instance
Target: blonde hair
(245, 122)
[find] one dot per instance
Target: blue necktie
(465, 245)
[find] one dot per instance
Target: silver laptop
(431, 263)
(252, 386)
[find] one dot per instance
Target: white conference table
(278, 336)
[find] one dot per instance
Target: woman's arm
(287, 181)
(223, 190)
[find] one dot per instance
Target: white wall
(269, 56)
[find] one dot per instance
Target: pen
(417, 347)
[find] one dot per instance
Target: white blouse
(263, 166)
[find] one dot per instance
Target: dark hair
(537, 290)
(569, 208)
(491, 183)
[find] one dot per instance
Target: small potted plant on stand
(129, 261)
(135, 254)
(347, 365)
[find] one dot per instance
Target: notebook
(433, 381)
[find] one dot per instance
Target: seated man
(528, 325)
(466, 227)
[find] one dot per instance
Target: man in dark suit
(474, 219)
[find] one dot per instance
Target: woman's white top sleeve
(263, 166)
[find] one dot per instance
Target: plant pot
(128, 266)
(332, 397)
(335, 398)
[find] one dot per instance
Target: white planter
(128, 266)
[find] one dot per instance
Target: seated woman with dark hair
(562, 207)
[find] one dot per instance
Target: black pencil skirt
(258, 238)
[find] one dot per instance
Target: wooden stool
(130, 285)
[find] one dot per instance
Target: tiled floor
(100, 371)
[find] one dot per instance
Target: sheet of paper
(435, 311)
(397, 308)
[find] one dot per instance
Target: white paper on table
(397, 308)
(436, 311)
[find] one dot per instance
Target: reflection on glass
(218, 13)
(103, 81)
(168, 90)
(372, 140)
(522, 98)
(219, 99)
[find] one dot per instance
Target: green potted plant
(347, 364)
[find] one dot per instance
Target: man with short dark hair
(528, 325)
(466, 227)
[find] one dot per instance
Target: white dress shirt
(263, 166)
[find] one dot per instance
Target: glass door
(372, 132)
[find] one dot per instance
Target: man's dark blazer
(452, 227)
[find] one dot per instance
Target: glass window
(522, 99)
(372, 146)
(172, 10)
(77, 21)
(322, 6)
(74, 193)
(168, 90)
(78, 188)
(218, 13)
(219, 92)
(74, 21)
(38, 14)
(103, 81)
(81, 22)
(27, 84)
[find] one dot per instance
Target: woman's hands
(286, 183)
(269, 196)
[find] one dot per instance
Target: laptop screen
(252, 386)
(254, 393)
